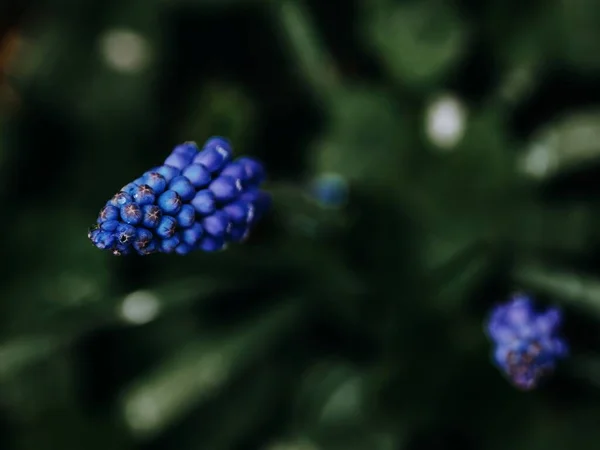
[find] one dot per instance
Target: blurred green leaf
(23, 352)
(331, 395)
(570, 142)
(368, 141)
(200, 370)
(418, 41)
(306, 47)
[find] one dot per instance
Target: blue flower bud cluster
(527, 344)
(197, 200)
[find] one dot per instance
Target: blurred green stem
(581, 290)
(21, 353)
(307, 48)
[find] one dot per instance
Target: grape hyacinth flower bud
(526, 342)
(199, 199)
(330, 190)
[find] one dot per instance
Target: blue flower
(199, 199)
(527, 343)
(329, 190)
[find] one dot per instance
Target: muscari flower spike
(197, 200)
(527, 344)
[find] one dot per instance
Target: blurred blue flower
(329, 190)
(197, 200)
(527, 344)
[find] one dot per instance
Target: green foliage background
(357, 327)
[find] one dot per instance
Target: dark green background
(350, 328)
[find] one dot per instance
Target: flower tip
(219, 143)
(213, 140)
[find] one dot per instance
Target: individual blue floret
(199, 199)
(329, 190)
(527, 344)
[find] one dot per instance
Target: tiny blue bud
(166, 227)
(198, 175)
(183, 249)
(183, 187)
(235, 170)
(217, 224)
(144, 195)
(129, 188)
(187, 149)
(330, 190)
(221, 144)
(121, 250)
(255, 172)
(211, 159)
(211, 243)
(156, 181)
(186, 216)
(177, 160)
(109, 225)
(169, 245)
(131, 213)
(142, 239)
(120, 199)
(192, 235)
(93, 233)
(148, 249)
(168, 172)
(125, 234)
(109, 212)
(170, 202)
(96, 235)
(204, 202)
(152, 216)
(216, 153)
(238, 211)
(225, 188)
(105, 240)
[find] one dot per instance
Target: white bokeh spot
(143, 414)
(446, 121)
(538, 161)
(139, 307)
(125, 51)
